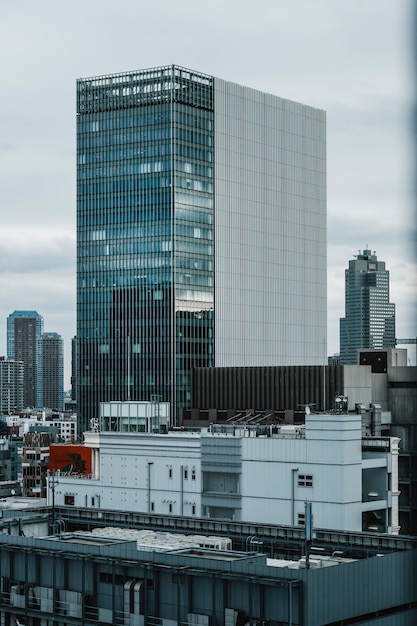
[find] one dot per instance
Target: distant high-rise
(50, 372)
(23, 331)
(201, 233)
(369, 321)
(11, 385)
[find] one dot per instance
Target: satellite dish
(307, 410)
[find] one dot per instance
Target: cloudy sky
(349, 57)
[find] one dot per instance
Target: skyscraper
(369, 320)
(201, 233)
(23, 331)
(50, 372)
(11, 385)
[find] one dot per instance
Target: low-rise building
(35, 464)
(256, 473)
(84, 579)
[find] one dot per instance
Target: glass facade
(145, 241)
(369, 321)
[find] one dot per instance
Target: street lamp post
(53, 481)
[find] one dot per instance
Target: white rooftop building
(240, 473)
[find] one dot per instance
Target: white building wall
(330, 453)
(270, 229)
(136, 470)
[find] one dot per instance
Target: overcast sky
(349, 57)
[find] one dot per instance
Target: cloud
(351, 58)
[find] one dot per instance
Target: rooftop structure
(111, 581)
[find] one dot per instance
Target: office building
(50, 372)
(23, 331)
(11, 385)
(369, 321)
(201, 233)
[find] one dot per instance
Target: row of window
(186, 473)
(92, 141)
(171, 508)
(124, 251)
(154, 278)
(121, 235)
(128, 119)
(143, 262)
(106, 121)
(130, 167)
(305, 480)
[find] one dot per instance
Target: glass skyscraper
(369, 321)
(201, 233)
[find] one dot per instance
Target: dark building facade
(221, 392)
(74, 353)
(50, 372)
(85, 579)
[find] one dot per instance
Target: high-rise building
(23, 331)
(369, 321)
(201, 233)
(11, 385)
(50, 372)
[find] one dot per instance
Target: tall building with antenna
(369, 321)
(201, 233)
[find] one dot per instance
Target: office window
(170, 472)
(69, 500)
(170, 507)
(185, 472)
(305, 480)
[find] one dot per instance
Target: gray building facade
(11, 385)
(50, 372)
(23, 331)
(369, 321)
(201, 233)
(83, 579)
